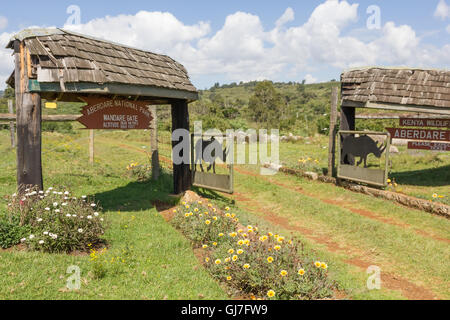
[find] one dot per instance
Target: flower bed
(53, 221)
(252, 262)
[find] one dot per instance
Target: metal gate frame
(202, 179)
(363, 171)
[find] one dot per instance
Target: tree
(266, 104)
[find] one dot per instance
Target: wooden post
(154, 143)
(332, 133)
(347, 124)
(91, 146)
(182, 172)
(29, 114)
(11, 124)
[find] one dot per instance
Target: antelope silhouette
(211, 157)
(360, 147)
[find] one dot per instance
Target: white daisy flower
(41, 192)
(41, 242)
(74, 215)
(31, 236)
(46, 233)
(47, 209)
(68, 216)
(39, 220)
(80, 230)
(14, 195)
(93, 205)
(89, 217)
(66, 193)
(96, 214)
(55, 204)
(23, 240)
(64, 204)
(57, 211)
(83, 197)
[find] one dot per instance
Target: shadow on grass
(212, 195)
(435, 177)
(138, 196)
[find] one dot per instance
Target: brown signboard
(421, 122)
(110, 114)
(419, 134)
(422, 145)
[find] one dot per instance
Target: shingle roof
(80, 58)
(401, 86)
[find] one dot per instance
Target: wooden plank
(91, 146)
(181, 172)
(115, 88)
(332, 133)
(347, 124)
(45, 118)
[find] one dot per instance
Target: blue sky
(294, 51)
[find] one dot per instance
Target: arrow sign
(419, 134)
(110, 114)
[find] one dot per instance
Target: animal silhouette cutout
(210, 156)
(360, 147)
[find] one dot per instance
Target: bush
(140, 172)
(56, 221)
(11, 232)
(251, 261)
(62, 127)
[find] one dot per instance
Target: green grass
(161, 263)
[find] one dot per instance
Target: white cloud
(3, 22)
(243, 50)
(448, 28)
(310, 79)
(442, 10)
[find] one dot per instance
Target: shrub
(140, 172)
(251, 261)
(57, 221)
(11, 232)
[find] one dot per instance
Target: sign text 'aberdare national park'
(110, 114)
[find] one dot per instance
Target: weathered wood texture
(400, 86)
(45, 118)
(410, 115)
(154, 143)
(332, 133)
(28, 109)
(181, 172)
(12, 128)
(64, 57)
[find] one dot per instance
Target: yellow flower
(246, 266)
(318, 264)
(240, 251)
(196, 210)
(240, 242)
(233, 215)
(221, 235)
(187, 206)
(270, 293)
(247, 242)
(228, 215)
(324, 265)
(200, 202)
(183, 203)
(218, 261)
(233, 234)
(276, 236)
(277, 248)
(187, 215)
(207, 260)
(236, 220)
(205, 246)
(227, 259)
(215, 218)
(206, 213)
(229, 278)
(215, 244)
(270, 234)
(389, 180)
(280, 239)
(174, 211)
(214, 210)
(301, 272)
(250, 231)
(244, 235)
(208, 222)
(435, 195)
(209, 205)
(283, 273)
(269, 259)
(227, 209)
(249, 227)
(240, 231)
(231, 251)
(235, 257)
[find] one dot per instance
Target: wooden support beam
(29, 113)
(11, 124)
(347, 124)
(181, 172)
(154, 143)
(332, 133)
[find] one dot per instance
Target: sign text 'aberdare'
(101, 113)
(419, 134)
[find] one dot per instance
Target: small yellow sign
(50, 105)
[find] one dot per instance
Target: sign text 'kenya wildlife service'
(111, 114)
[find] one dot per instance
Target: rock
(393, 150)
(312, 175)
